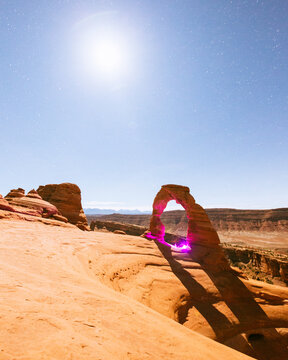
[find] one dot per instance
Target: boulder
(60, 218)
(67, 198)
(119, 232)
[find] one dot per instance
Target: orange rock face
(4, 205)
(202, 238)
(15, 193)
(67, 198)
(33, 194)
(32, 201)
(200, 229)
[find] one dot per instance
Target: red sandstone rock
(60, 218)
(67, 198)
(31, 204)
(33, 194)
(14, 193)
(4, 205)
(42, 208)
(200, 229)
(119, 232)
(201, 236)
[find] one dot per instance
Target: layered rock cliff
(259, 264)
(222, 219)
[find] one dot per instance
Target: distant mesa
(67, 198)
(222, 219)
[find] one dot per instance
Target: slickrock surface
(247, 315)
(68, 294)
(67, 198)
(259, 264)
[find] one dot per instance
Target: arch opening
(171, 218)
(175, 242)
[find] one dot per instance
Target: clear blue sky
(202, 100)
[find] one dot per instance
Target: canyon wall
(222, 219)
(259, 264)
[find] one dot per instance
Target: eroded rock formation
(15, 193)
(200, 229)
(37, 206)
(4, 205)
(201, 236)
(33, 194)
(67, 198)
(263, 263)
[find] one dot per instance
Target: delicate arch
(200, 229)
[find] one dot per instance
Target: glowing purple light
(148, 235)
(182, 246)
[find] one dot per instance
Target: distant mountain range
(97, 211)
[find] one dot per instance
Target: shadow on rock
(250, 330)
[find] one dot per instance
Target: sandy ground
(257, 239)
(52, 308)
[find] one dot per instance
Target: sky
(121, 97)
